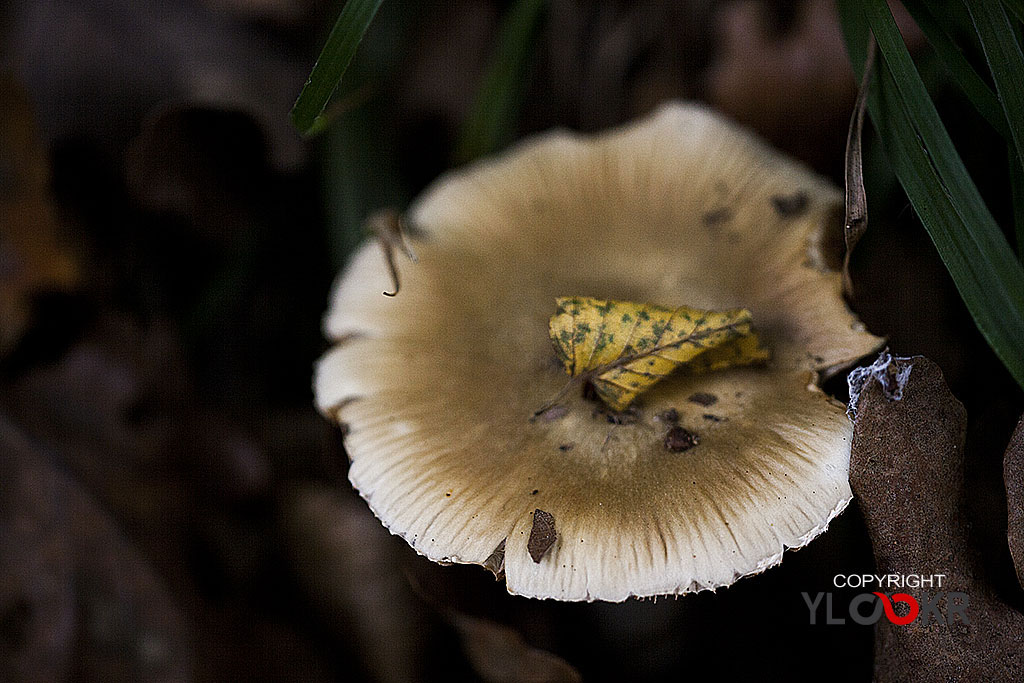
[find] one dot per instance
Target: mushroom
(712, 476)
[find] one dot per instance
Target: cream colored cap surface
(437, 385)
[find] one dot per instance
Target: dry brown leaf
(856, 198)
(907, 472)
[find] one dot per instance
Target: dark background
(172, 507)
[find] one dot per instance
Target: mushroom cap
(436, 386)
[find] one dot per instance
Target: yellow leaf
(624, 348)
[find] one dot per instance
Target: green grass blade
(1017, 189)
(1017, 7)
(948, 167)
(348, 32)
(974, 86)
(1005, 60)
(491, 122)
(977, 255)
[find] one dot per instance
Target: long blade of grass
(491, 122)
(945, 161)
(1017, 189)
(1017, 7)
(1005, 60)
(974, 250)
(348, 32)
(974, 86)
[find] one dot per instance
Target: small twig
(559, 396)
(608, 438)
(389, 227)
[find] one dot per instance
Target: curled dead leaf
(624, 348)
(856, 203)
